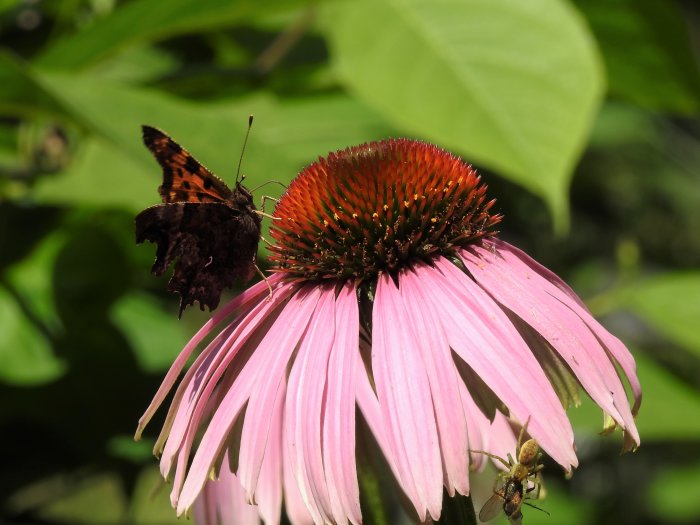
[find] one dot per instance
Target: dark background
(581, 116)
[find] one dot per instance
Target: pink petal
(404, 397)
(369, 406)
(503, 440)
(483, 336)
(296, 509)
(478, 426)
(520, 260)
(276, 348)
(339, 411)
(196, 388)
(268, 494)
(253, 294)
(444, 381)
(533, 299)
(307, 381)
(223, 501)
(265, 371)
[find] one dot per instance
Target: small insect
(207, 230)
(511, 487)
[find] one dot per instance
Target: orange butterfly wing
(184, 178)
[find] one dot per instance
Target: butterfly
(208, 231)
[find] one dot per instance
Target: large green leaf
(20, 92)
(511, 85)
(114, 168)
(145, 20)
(671, 304)
(647, 50)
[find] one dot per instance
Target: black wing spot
(191, 165)
(207, 184)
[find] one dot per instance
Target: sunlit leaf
(511, 85)
(114, 166)
(20, 91)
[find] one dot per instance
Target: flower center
(378, 207)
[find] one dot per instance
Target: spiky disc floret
(378, 207)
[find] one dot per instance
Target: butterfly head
(242, 197)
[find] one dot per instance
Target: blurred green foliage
(590, 106)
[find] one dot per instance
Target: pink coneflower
(393, 296)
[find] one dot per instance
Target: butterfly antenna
(245, 142)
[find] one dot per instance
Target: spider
(510, 489)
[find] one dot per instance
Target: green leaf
(151, 503)
(666, 409)
(673, 494)
(511, 85)
(144, 20)
(20, 91)
(91, 500)
(114, 166)
(670, 304)
(643, 40)
(26, 356)
(620, 124)
(155, 336)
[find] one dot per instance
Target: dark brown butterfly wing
(211, 244)
(184, 178)
(207, 231)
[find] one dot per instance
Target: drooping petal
(339, 411)
(478, 427)
(268, 493)
(251, 295)
(296, 510)
(404, 397)
(204, 375)
(276, 348)
(503, 440)
(534, 300)
(482, 335)
(264, 371)
(444, 381)
(303, 408)
(524, 264)
(223, 502)
(369, 406)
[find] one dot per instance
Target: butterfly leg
(264, 200)
(263, 214)
(267, 282)
(263, 239)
